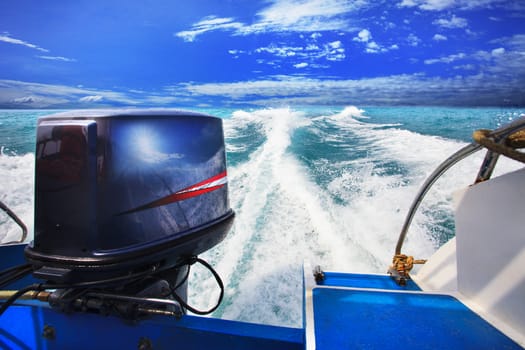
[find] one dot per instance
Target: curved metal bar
(20, 223)
(509, 129)
(440, 170)
(485, 171)
(491, 158)
(487, 167)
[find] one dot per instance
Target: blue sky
(237, 53)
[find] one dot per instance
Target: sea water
(325, 185)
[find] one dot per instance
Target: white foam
(284, 217)
(16, 191)
(350, 112)
(254, 191)
(379, 212)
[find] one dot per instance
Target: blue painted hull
(349, 311)
(30, 327)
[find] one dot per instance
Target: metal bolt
(49, 332)
(145, 344)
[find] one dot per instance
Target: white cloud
(439, 37)
(57, 58)
(26, 100)
(439, 5)
(372, 47)
(501, 81)
(428, 4)
(305, 15)
(7, 39)
(215, 21)
(454, 22)
(413, 40)
(207, 24)
(280, 51)
(408, 3)
(447, 59)
(517, 42)
(301, 65)
(398, 89)
(363, 36)
(335, 44)
(469, 66)
(312, 47)
(483, 55)
(334, 51)
(498, 52)
(480, 56)
(330, 51)
(92, 98)
(284, 16)
(14, 92)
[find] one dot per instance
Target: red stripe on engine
(211, 179)
(186, 193)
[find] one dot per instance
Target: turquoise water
(328, 185)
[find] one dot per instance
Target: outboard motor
(125, 201)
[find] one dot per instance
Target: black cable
(11, 269)
(38, 287)
(183, 280)
(41, 286)
(10, 275)
(185, 305)
(18, 294)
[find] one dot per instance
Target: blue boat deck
(372, 312)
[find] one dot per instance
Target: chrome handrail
(440, 170)
(499, 135)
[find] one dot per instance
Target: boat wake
(329, 188)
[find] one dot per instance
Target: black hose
(18, 294)
(185, 305)
(183, 280)
(12, 274)
(14, 268)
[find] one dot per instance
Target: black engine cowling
(119, 192)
